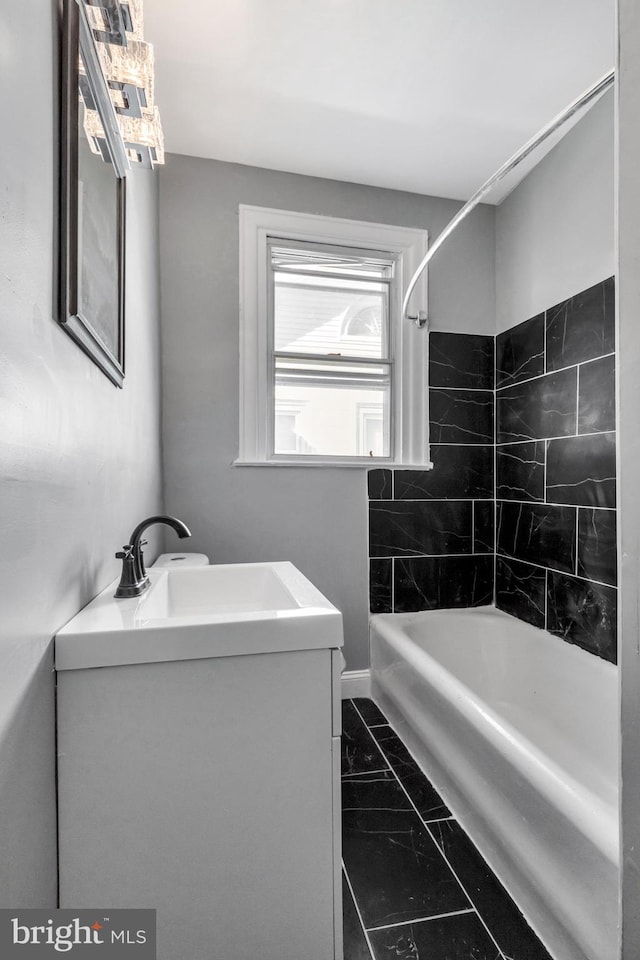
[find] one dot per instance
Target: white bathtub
(519, 731)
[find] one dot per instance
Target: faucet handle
(127, 554)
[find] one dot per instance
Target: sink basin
(228, 588)
(202, 612)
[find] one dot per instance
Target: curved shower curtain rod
(574, 107)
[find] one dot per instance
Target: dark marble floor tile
(380, 484)
(379, 791)
(355, 942)
(597, 395)
(520, 471)
(537, 409)
(582, 327)
(430, 583)
(424, 796)
(459, 472)
(461, 360)
(460, 416)
(380, 580)
(461, 937)
(583, 613)
(370, 713)
(360, 753)
(582, 470)
(395, 868)
(537, 533)
(521, 590)
(401, 528)
(597, 549)
(520, 352)
(483, 526)
(514, 936)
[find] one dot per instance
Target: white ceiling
(423, 95)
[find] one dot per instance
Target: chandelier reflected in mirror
(127, 64)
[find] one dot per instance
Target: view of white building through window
(329, 314)
(327, 372)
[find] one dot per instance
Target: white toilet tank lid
(182, 560)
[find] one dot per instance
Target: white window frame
(409, 342)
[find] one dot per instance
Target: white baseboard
(356, 683)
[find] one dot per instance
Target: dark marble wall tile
(483, 526)
(520, 352)
(380, 484)
(597, 396)
(582, 327)
(597, 549)
(459, 473)
(521, 590)
(583, 613)
(461, 360)
(537, 533)
(537, 409)
(400, 528)
(520, 471)
(380, 597)
(582, 470)
(430, 583)
(460, 416)
(550, 480)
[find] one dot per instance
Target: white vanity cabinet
(208, 789)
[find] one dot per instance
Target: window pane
(325, 316)
(316, 259)
(326, 410)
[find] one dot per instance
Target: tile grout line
(547, 373)
(522, 438)
(464, 389)
(437, 916)
(473, 527)
(357, 909)
(563, 573)
(543, 503)
(495, 472)
(457, 878)
(363, 773)
(375, 742)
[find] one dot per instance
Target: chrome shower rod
(574, 107)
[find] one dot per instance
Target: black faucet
(134, 579)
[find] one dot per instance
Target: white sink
(202, 612)
(228, 588)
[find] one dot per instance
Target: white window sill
(369, 464)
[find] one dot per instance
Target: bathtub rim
(595, 816)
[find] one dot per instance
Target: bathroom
(83, 461)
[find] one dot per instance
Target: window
(328, 375)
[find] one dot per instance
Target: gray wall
(555, 232)
(628, 204)
(316, 518)
(79, 459)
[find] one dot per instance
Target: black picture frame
(107, 352)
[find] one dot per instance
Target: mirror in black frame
(92, 207)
